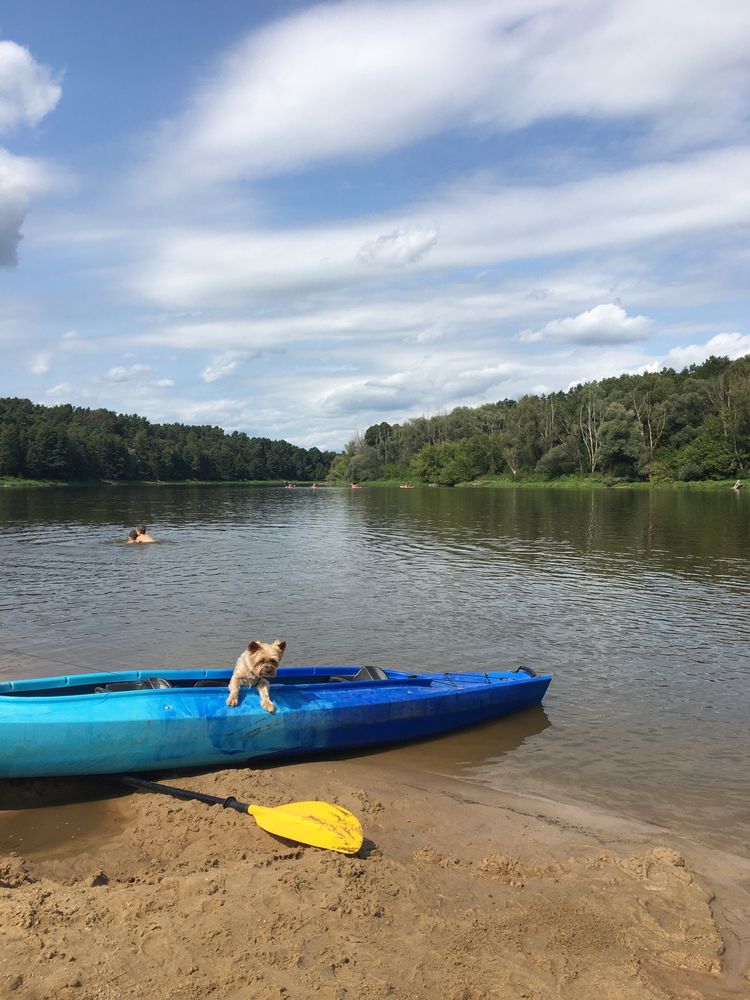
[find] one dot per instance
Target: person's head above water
(142, 534)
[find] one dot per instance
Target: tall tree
(590, 420)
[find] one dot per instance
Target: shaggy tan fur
(257, 664)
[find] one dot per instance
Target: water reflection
(55, 818)
(465, 753)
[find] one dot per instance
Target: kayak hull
(118, 722)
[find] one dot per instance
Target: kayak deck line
(145, 681)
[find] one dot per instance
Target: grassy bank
(601, 483)
(15, 483)
(485, 482)
(11, 482)
(564, 483)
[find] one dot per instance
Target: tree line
(688, 425)
(72, 443)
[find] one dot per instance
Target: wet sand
(460, 892)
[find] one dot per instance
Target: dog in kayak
(254, 668)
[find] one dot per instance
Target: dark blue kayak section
(145, 720)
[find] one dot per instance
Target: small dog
(257, 664)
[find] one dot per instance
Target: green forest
(74, 444)
(664, 426)
(687, 426)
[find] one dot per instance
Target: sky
(299, 219)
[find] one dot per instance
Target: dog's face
(265, 657)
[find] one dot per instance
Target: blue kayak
(144, 721)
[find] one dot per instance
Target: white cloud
(20, 178)
(354, 79)
(28, 90)
(222, 366)
(423, 384)
(399, 248)
(122, 374)
(730, 345)
(337, 79)
(480, 224)
(420, 317)
(27, 94)
(675, 62)
(163, 383)
(365, 396)
(658, 201)
(40, 363)
(431, 333)
(62, 389)
(74, 342)
(604, 324)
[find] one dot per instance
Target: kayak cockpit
(130, 681)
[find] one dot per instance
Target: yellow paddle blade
(317, 823)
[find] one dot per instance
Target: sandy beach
(459, 892)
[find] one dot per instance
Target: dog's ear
(252, 646)
(281, 643)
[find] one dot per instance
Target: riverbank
(16, 483)
(489, 482)
(565, 483)
(459, 892)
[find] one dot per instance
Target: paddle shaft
(184, 793)
(319, 824)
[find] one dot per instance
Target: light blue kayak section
(145, 720)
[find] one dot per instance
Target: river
(638, 602)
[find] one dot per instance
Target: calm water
(637, 602)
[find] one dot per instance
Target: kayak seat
(210, 682)
(367, 673)
(526, 670)
(145, 684)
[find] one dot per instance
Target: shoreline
(563, 483)
(461, 891)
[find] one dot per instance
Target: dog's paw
(269, 706)
(233, 701)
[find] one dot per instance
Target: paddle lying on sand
(319, 824)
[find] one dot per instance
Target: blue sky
(297, 219)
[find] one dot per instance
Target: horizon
(299, 220)
(361, 431)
